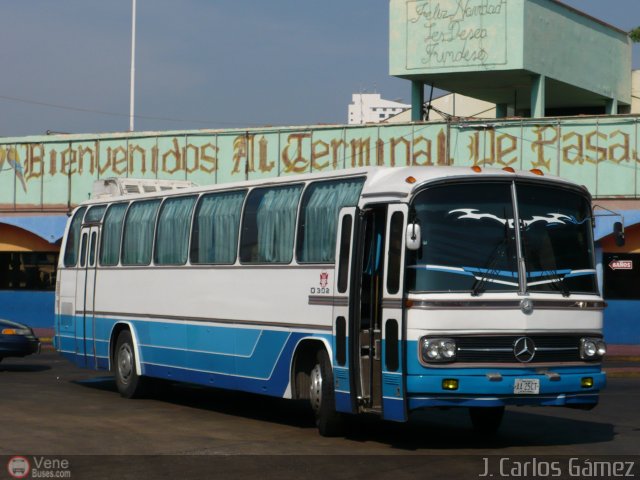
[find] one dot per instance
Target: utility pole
(133, 66)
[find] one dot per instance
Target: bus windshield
(469, 240)
(557, 240)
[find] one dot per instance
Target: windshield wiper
(556, 283)
(479, 283)
(560, 285)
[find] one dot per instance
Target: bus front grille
(500, 349)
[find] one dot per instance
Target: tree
(634, 35)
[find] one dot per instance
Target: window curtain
(321, 218)
(138, 233)
(172, 241)
(218, 220)
(276, 221)
(112, 234)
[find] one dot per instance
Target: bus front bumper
(491, 388)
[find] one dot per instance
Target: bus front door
(368, 327)
(370, 267)
(85, 297)
(393, 378)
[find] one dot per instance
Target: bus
(377, 290)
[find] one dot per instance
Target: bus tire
(322, 397)
(129, 383)
(486, 420)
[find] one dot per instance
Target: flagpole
(133, 65)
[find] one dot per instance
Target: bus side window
(112, 234)
(92, 249)
(172, 237)
(83, 251)
(321, 204)
(139, 227)
(395, 252)
(72, 246)
(216, 224)
(345, 247)
(269, 225)
(95, 214)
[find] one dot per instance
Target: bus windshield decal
(550, 218)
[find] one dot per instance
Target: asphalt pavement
(52, 409)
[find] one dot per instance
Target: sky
(65, 64)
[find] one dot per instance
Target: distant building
(457, 106)
(371, 108)
(635, 91)
(451, 105)
(536, 58)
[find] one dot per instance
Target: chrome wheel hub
(315, 391)
(125, 363)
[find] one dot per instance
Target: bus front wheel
(129, 383)
(322, 397)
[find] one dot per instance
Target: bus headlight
(592, 348)
(438, 349)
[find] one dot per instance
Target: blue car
(17, 340)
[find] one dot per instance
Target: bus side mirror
(414, 236)
(618, 232)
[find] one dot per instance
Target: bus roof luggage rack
(115, 187)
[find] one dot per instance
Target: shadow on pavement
(451, 429)
(23, 367)
(430, 429)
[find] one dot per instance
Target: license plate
(526, 386)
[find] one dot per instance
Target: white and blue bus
(382, 290)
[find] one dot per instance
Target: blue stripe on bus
(394, 409)
(343, 402)
(478, 384)
(560, 400)
(250, 359)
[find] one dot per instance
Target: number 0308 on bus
(379, 290)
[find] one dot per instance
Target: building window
(28, 270)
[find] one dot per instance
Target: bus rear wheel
(322, 397)
(486, 420)
(129, 383)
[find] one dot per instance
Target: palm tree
(634, 35)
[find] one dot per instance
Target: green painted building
(54, 173)
(530, 57)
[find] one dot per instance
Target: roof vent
(115, 187)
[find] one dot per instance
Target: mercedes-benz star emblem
(524, 349)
